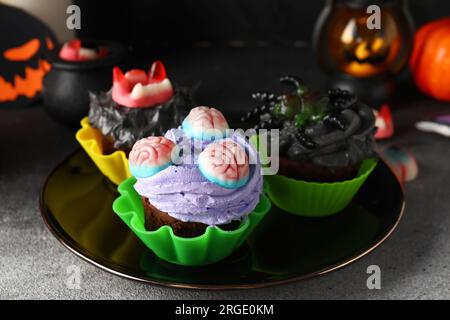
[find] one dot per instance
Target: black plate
(76, 206)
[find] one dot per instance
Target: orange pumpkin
(430, 59)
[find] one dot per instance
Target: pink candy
(73, 51)
(137, 89)
(225, 163)
(150, 155)
(205, 123)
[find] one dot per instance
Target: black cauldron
(67, 85)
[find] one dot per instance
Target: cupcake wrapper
(214, 245)
(313, 199)
(114, 165)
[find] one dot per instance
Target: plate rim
(171, 284)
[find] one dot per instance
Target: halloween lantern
(349, 43)
(360, 54)
(24, 41)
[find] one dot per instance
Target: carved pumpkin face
(360, 51)
(23, 42)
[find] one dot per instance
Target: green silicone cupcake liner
(311, 199)
(314, 199)
(214, 245)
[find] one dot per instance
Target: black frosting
(334, 130)
(333, 146)
(127, 125)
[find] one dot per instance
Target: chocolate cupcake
(194, 190)
(322, 137)
(326, 144)
(140, 104)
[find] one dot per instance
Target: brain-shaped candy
(205, 123)
(224, 163)
(150, 155)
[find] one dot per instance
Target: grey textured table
(414, 261)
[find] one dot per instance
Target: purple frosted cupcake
(190, 197)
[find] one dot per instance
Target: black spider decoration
(264, 113)
(299, 107)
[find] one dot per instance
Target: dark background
(176, 22)
(270, 33)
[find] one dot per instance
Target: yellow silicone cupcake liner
(114, 166)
